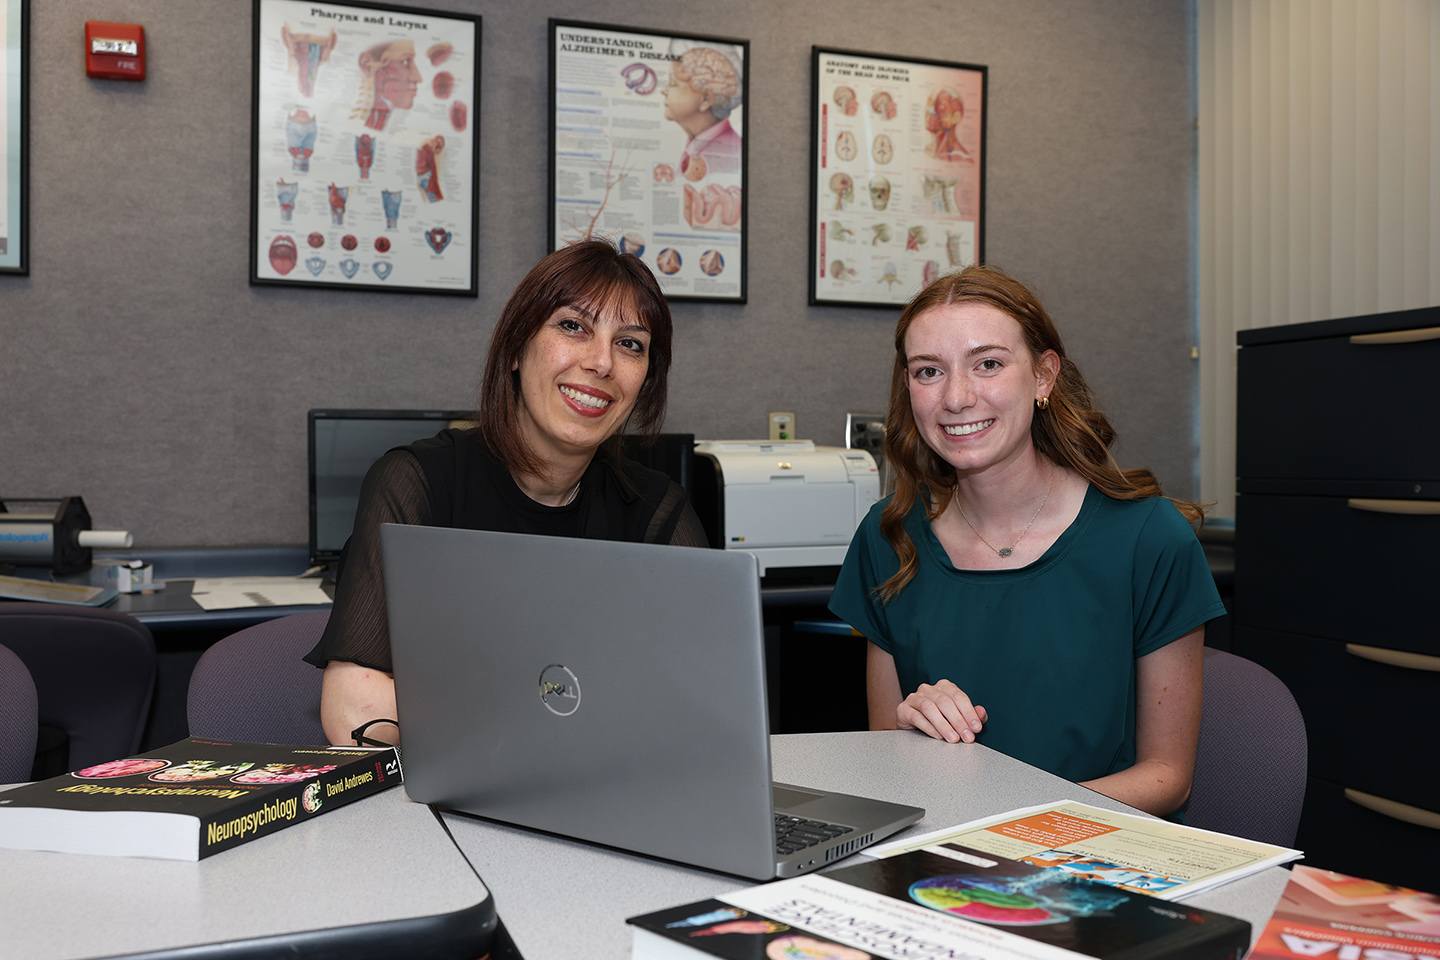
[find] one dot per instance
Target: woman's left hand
(942, 710)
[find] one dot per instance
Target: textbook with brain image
(943, 901)
(190, 800)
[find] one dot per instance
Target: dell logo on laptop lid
(559, 690)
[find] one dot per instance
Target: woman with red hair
(1020, 589)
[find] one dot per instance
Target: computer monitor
(343, 445)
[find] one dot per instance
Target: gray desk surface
(173, 609)
(373, 870)
(562, 899)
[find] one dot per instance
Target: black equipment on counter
(53, 533)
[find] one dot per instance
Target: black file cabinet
(1337, 574)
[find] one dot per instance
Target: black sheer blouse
(453, 480)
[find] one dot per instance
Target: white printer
(788, 502)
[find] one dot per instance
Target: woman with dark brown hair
(1057, 612)
(581, 352)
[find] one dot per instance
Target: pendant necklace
(1005, 551)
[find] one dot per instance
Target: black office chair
(1251, 764)
(253, 687)
(19, 719)
(94, 673)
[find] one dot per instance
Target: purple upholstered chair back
(254, 688)
(94, 673)
(19, 719)
(1250, 768)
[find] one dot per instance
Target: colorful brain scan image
(800, 947)
(981, 899)
(121, 768)
(311, 798)
(283, 773)
(193, 770)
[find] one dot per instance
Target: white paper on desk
(229, 593)
(1139, 853)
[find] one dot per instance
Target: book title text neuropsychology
(271, 812)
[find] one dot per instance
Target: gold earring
(1043, 403)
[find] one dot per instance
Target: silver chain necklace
(1005, 551)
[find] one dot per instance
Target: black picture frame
(908, 127)
(15, 125)
(671, 189)
(394, 202)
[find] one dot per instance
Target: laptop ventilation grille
(845, 849)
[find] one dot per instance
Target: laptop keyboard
(793, 834)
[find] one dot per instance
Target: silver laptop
(610, 692)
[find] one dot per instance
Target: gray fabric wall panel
(141, 371)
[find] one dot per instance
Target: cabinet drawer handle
(1397, 336)
(1395, 811)
(1395, 658)
(1413, 508)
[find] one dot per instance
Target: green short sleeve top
(1048, 649)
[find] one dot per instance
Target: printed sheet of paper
(1164, 859)
(232, 593)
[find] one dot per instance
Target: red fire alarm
(114, 51)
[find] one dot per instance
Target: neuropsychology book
(191, 799)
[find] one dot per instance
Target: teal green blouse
(1048, 649)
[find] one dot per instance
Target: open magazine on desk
(1138, 853)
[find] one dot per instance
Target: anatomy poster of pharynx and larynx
(365, 146)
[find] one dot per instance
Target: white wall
(1319, 182)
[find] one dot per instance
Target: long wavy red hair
(1071, 431)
